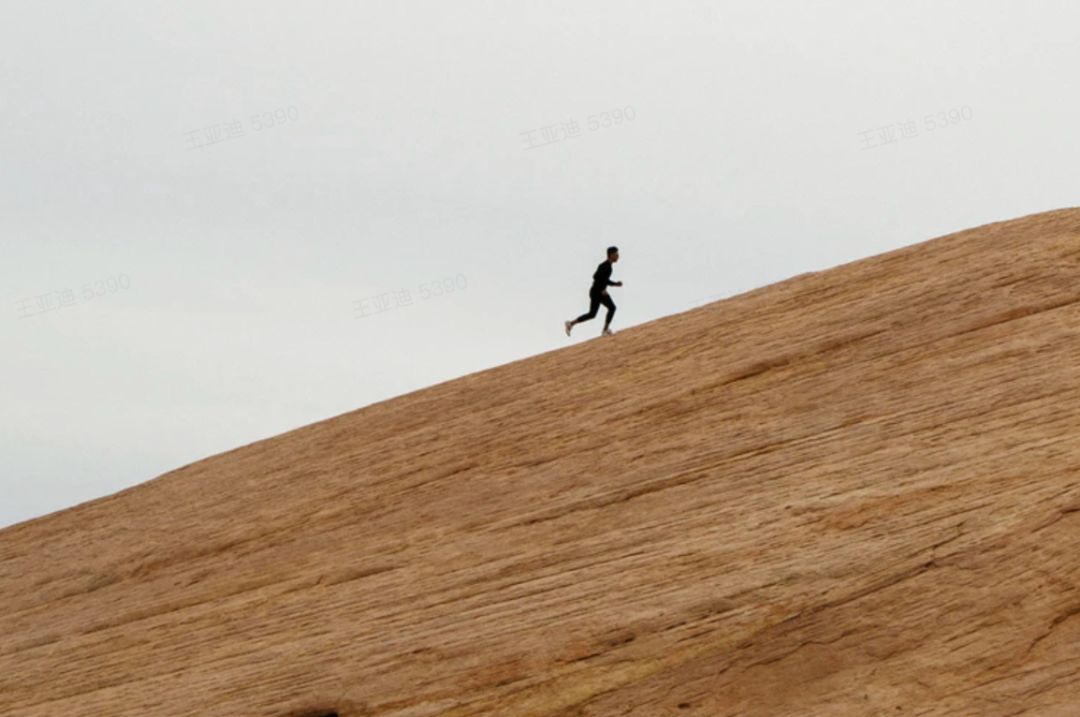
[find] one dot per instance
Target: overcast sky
(223, 220)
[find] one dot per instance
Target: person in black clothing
(598, 293)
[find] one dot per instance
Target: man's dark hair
(611, 250)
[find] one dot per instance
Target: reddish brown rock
(855, 492)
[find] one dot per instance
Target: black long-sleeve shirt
(601, 279)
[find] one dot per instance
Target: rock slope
(855, 492)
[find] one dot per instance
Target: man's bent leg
(594, 306)
(610, 310)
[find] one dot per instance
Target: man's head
(613, 254)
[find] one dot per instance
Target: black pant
(597, 297)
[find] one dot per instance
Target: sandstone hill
(855, 492)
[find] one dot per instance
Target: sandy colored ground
(856, 492)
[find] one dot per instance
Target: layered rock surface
(855, 492)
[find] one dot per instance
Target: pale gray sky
(195, 196)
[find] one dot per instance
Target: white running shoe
(607, 332)
(569, 325)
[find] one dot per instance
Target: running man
(598, 293)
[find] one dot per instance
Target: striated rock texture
(855, 492)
